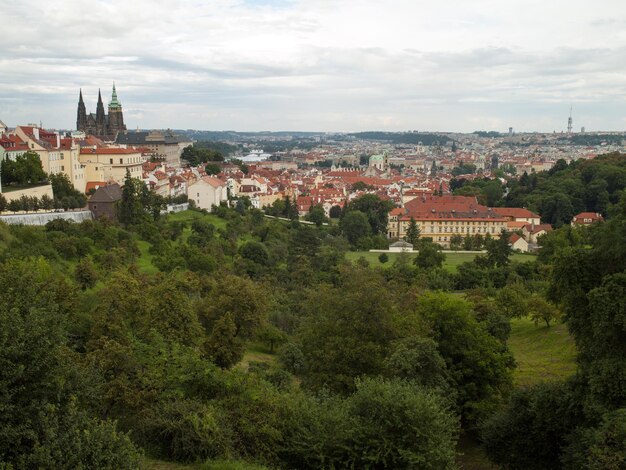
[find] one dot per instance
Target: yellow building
(57, 154)
(110, 164)
(442, 217)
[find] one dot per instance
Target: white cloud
(317, 65)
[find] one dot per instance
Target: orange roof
(107, 151)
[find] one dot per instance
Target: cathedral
(105, 126)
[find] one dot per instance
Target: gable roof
(108, 193)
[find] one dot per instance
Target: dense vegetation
(127, 340)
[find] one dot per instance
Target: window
(111, 161)
(95, 207)
(121, 161)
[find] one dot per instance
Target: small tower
(81, 115)
(569, 121)
(116, 117)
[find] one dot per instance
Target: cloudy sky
(322, 65)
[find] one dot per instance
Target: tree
(398, 425)
(499, 250)
(317, 215)
(346, 331)
(272, 336)
(479, 364)
(418, 360)
(355, 225)
(532, 429)
(540, 309)
(383, 258)
(212, 169)
(412, 232)
(255, 252)
(335, 212)
(3, 203)
(429, 256)
(223, 346)
(243, 299)
(85, 274)
(130, 209)
(456, 241)
(375, 209)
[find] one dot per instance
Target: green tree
(212, 169)
(412, 233)
(479, 365)
(456, 241)
(540, 310)
(429, 256)
(499, 250)
(223, 346)
(375, 209)
(85, 274)
(347, 331)
(355, 226)
(317, 215)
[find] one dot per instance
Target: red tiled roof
(107, 151)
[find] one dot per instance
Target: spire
(81, 114)
(100, 117)
(114, 102)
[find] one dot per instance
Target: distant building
(442, 217)
(164, 146)
(103, 203)
(207, 192)
(105, 126)
(110, 164)
(586, 218)
(518, 243)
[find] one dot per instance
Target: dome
(376, 158)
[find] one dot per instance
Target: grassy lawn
(256, 352)
(190, 216)
(144, 262)
(453, 260)
(541, 353)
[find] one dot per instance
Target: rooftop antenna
(569, 120)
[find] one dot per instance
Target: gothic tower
(116, 117)
(101, 124)
(81, 115)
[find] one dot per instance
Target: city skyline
(318, 65)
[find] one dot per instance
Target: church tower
(116, 117)
(101, 123)
(81, 115)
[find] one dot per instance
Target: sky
(318, 65)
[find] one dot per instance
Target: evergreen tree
(412, 233)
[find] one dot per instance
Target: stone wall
(42, 218)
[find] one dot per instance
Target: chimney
(36, 132)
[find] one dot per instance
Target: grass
(189, 216)
(256, 353)
(144, 262)
(541, 353)
(453, 260)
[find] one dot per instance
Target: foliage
(533, 428)
(26, 168)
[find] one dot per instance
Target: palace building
(441, 217)
(104, 126)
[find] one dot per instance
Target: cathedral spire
(114, 102)
(81, 114)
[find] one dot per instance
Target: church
(104, 126)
